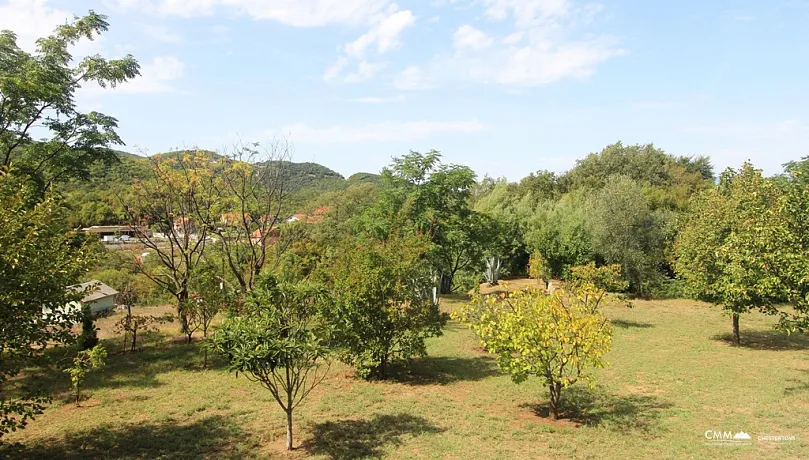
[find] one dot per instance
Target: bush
(557, 338)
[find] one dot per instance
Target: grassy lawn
(673, 375)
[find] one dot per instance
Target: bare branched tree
(252, 185)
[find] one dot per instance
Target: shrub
(556, 338)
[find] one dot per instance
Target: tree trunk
(289, 429)
(383, 368)
(555, 399)
(445, 284)
(736, 337)
(134, 339)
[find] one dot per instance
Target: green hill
(99, 200)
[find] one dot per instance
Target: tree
(39, 259)
(432, 199)
(279, 341)
(667, 181)
(37, 91)
(383, 301)
(558, 230)
(724, 251)
(788, 240)
(626, 231)
(170, 202)
(251, 187)
(132, 324)
(606, 277)
(85, 361)
(557, 338)
(89, 331)
(208, 298)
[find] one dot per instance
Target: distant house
(316, 216)
(98, 296)
(272, 236)
(112, 233)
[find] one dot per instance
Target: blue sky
(504, 86)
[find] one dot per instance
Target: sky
(506, 87)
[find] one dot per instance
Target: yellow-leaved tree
(557, 338)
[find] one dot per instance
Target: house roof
(95, 289)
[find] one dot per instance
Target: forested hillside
(98, 200)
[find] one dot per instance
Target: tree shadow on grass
(767, 340)
(138, 369)
(800, 385)
(211, 437)
(626, 324)
(345, 439)
(442, 370)
(624, 413)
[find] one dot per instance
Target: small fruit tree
(280, 341)
(84, 362)
(556, 338)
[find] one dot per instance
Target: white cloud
(378, 100)
(544, 45)
(384, 35)
(160, 33)
(33, 19)
(513, 38)
(299, 13)
(365, 71)
(387, 131)
(412, 78)
(527, 12)
(335, 69)
(30, 20)
(467, 37)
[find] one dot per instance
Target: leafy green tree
(85, 361)
(39, 259)
(210, 296)
(556, 338)
(89, 332)
(383, 301)
(538, 267)
(433, 199)
(667, 180)
(784, 238)
(279, 341)
(724, 248)
(37, 92)
(626, 231)
(559, 231)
